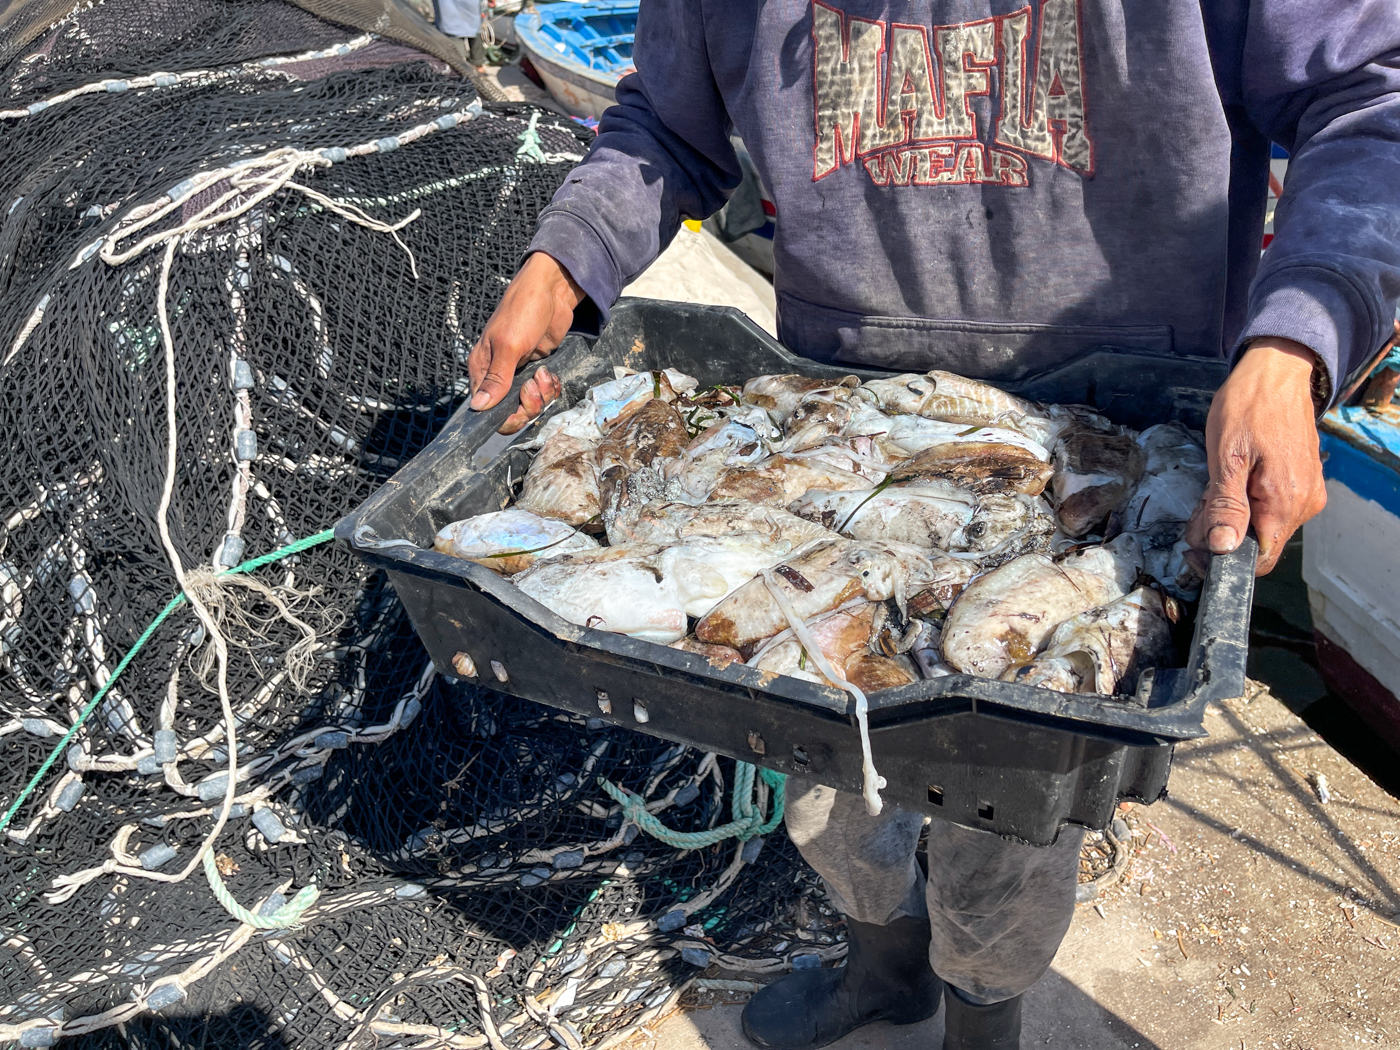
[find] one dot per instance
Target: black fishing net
(307, 227)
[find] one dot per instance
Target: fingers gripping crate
(1012, 759)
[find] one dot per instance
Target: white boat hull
(1353, 578)
(581, 93)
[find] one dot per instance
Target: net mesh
(476, 885)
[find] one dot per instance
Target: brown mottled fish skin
(1005, 617)
(779, 395)
(562, 481)
(1095, 473)
(983, 467)
(718, 655)
(870, 673)
(654, 432)
(843, 637)
(778, 481)
(818, 417)
(1104, 649)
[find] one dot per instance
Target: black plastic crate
(1012, 759)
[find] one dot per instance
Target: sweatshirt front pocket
(978, 349)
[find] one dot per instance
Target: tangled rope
(748, 823)
(171, 606)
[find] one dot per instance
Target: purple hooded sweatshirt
(993, 186)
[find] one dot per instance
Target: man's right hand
(532, 319)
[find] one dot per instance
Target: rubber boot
(886, 978)
(969, 1027)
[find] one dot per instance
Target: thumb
(495, 383)
(1223, 516)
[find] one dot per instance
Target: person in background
(994, 188)
(461, 20)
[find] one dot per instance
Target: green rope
(287, 917)
(530, 142)
(748, 820)
(161, 617)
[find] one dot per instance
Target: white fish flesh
(956, 399)
(510, 541)
(1095, 473)
(1104, 650)
(946, 396)
(708, 569)
(779, 395)
(924, 516)
(562, 481)
(614, 401)
(1003, 618)
(907, 435)
(578, 422)
(855, 455)
(1175, 477)
(931, 514)
(665, 522)
(1168, 565)
(823, 577)
(618, 589)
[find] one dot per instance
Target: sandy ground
(1251, 916)
(520, 88)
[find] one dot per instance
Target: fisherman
(993, 187)
(461, 20)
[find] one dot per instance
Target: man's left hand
(1262, 445)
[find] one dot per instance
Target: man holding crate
(991, 187)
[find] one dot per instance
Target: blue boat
(580, 50)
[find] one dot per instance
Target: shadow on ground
(1058, 1016)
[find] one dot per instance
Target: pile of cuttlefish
(860, 535)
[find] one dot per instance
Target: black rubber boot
(969, 1027)
(886, 978)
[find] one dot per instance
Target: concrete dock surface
(1251, 915)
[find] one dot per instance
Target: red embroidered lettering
(897, 97)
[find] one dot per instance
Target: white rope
(111, 86)
(872, 781)
(67, 884)
(249, 184)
